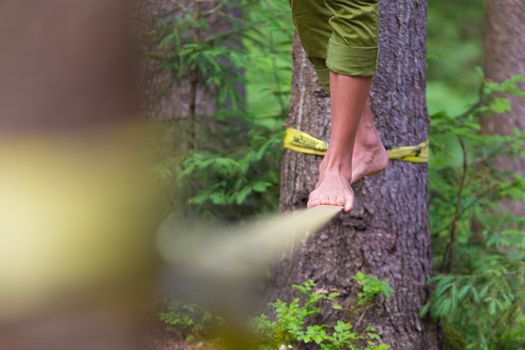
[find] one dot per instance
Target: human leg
(351, 59)
(340, 40)
(369, 156)
(348, 95)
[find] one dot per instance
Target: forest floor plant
(294, 324)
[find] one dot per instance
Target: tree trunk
(163, 99)
(181, 102)
(387, 232)
(184, 97)
(504, 58)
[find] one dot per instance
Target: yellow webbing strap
(299, 141)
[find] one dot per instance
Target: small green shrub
(294, 323)
(371, 288)
(189, 320)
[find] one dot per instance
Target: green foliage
(371, 288)
(478, 246)
(454, 339)
(190, 321)
(233, 171)
(188, 48)
(234, 185)
(294, 323)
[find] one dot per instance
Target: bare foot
(348, 107)
(333, 188)
(369, 156)
(368, 160)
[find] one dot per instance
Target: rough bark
(387, 232)
(504, 58)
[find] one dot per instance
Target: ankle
(368, 137)
(336, 167)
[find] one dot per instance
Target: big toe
(349, 204)
(313, 201)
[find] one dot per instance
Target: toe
(333, 200)
(340, 201)
(349, 203)
(325, 199)
(313, 201)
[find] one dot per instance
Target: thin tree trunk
(387, 232)
(163, 99)
(184, 98)
(185, 106)
(504, 58)
(189, 102)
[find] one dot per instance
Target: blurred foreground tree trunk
(504, 58)
(83, 75)
(387, 232)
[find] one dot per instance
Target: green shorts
(338, 35)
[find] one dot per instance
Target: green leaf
(261, 186)
(242, 195)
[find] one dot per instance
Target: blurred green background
(454, 49)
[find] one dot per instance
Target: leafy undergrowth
(295, 324)
(478, 244)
